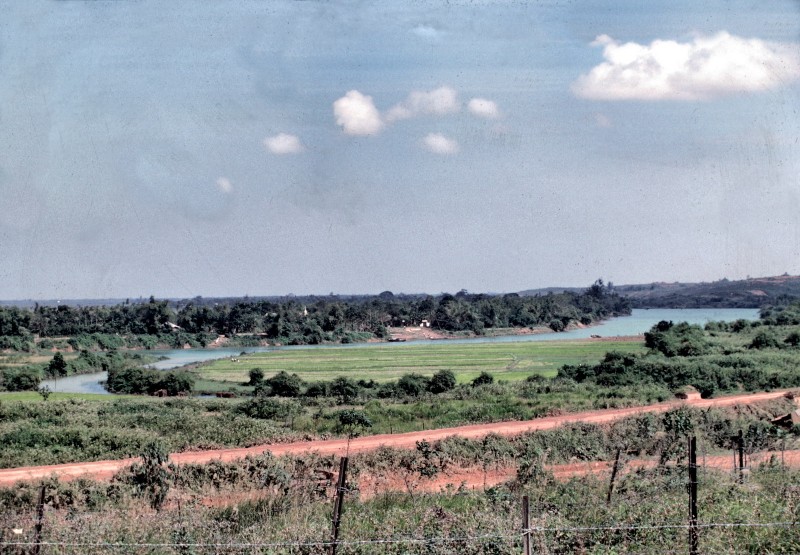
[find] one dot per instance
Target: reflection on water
(637, 323)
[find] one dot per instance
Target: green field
(506, 361)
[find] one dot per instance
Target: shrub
(22, 379)
(256, 376)
(284, 385)
(485, 378)
(441, 381)
(413, 385)
(764, 340)
(344, 388)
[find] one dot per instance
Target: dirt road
(476, 478)
(106, 469)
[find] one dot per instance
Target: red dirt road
(106, 469)
(476, 478)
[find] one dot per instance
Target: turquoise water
(640, 321)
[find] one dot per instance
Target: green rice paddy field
(507, 361)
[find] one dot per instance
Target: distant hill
(746, 293)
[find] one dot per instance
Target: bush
(764, 340)
(284, 385)
(22, 379)
(441, 381)
(256, 376)
(138, 381)
(485, 378)
(344, 388)
(269, 409)
(413, 385)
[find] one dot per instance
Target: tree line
(309, 320)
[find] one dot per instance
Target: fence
(708, 501)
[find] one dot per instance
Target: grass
(506, 361)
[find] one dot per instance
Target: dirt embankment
(106, 469)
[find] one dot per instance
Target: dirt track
(106, 469)
(476, 478)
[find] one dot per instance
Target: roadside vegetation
(270, 500)
(356, 390)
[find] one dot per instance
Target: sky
(256, 148)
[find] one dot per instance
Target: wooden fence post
(39, 522)
(613, 477)
(337, 505)
(693, 537)
(526, 526)
(740, 446)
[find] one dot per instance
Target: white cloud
(283, 143)
(357, 114)
(705, 68)
(438, 143)
(224, 184)
(437, 102)
(427, 32)
(483, 108)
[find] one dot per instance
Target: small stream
(640, 321)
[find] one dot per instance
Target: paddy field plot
(506, 361)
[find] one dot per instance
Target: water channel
(640, 321)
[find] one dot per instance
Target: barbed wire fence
(697, 527)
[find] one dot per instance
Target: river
(640, 321)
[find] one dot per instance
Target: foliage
(19, 379)
(484, 378)
(283, 384)
(299, 321)
(351, 419)
(269, 409)
(256, 376)
(138, 380)
(150, 477)
(442, 381)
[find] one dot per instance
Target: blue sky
(262, 148)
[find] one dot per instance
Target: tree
(441, 381)
(413, 385)
(256, 376)
(45, 392)
(353, 419)
(283, 384)
(57, 368)
(150, 477)
(344, 388)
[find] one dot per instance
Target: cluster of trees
(26, 378)
(682, 354)
(346, 390)
(138, 380)
(311, 320)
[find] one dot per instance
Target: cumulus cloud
(705, 68)
(283, 143)
(224, 184)
(357, 114)
(483, 108)
(438, 143)
(437, 102)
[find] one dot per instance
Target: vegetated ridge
(745, 293)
